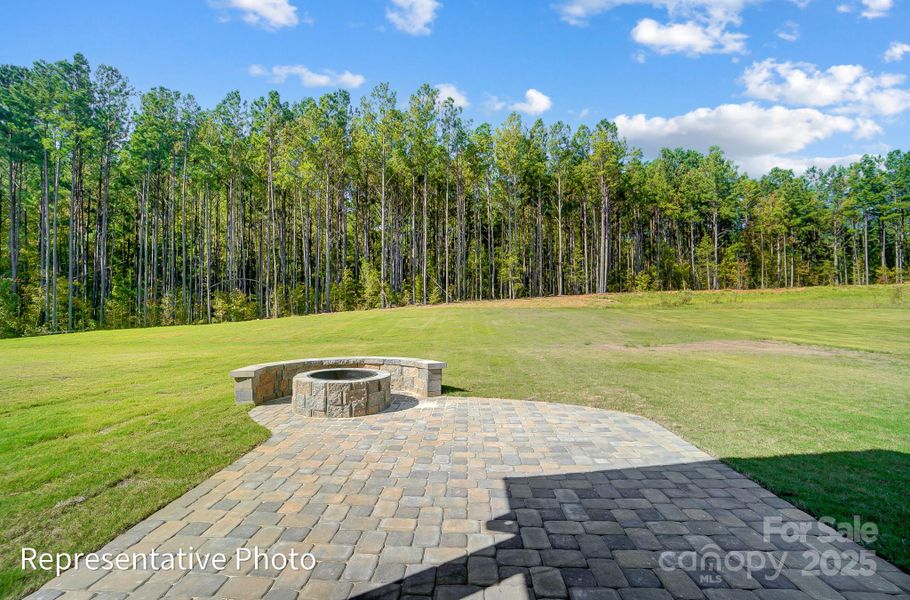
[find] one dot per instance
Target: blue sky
(785, 82)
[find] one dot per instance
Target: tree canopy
(121, 210)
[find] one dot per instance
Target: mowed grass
(98, 430)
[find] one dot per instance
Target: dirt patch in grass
(746, 346)
(574, 301)
(69, 502)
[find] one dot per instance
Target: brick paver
(481, 498)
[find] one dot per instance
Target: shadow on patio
(673, 531)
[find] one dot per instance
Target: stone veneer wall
(341, 398)
(270, 381)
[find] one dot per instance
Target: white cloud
(687, 38)
(871, 9)
(535, 103)
(579, 12)
(269, 14)
(750, 134)
(896, 51)
(413, 17)
(759, 165)
(257, 71)
(308, 78)
(866, 128)
(789, 31)
(583, 113)
(694, 27)
(448, 90)
(876, 8)
(493, 104)
(846, 88)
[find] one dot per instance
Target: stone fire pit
(336, 393)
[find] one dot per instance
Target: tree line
(125, 210)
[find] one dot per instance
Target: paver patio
(479, 498)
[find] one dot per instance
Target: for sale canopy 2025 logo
(823, 547)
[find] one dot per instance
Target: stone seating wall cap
(253, 370)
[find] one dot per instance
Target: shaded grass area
(97, 430)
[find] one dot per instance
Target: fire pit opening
(339, 393)
(343, 374)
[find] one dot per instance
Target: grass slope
(97, 430)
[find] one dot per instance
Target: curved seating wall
(270, 381)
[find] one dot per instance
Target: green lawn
(97, 430)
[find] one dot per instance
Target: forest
(121, 209)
